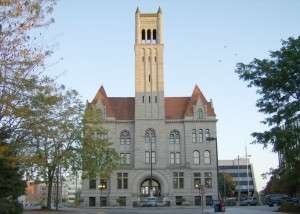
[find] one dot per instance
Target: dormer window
(199, 114)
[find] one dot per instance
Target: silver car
(150, 202)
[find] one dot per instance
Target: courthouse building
(162, 140)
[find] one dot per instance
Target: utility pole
(247, 174)
(238, 181)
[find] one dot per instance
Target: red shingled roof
(175, 107)
(122, 108)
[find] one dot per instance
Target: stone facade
(170, 132)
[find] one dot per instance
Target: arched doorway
(145, 188)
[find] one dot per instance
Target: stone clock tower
(149, 75)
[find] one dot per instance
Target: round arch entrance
(145, 187)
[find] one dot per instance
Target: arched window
(207, 134)
(143, 35)
(200, 114)
(150, 136)
(149, 35)
(125, 137)
(200, 135)
(207, 157)
(154, 35)
(174, 137)
(196, 157)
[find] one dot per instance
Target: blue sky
(203, 42)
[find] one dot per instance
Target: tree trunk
(57, 186)
(50, 182)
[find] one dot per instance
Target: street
(191, 210)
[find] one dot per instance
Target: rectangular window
(125, 180)
(178, 180)
(172, 138)
(178, 200)
(197, 179)
(103, 201)
(119, 180)
(177, 158)
(121, 201)
(122, 180)
(197, 200)
(92, 201)
(153, 157)
(194, 136)
(172, 158)
(209, 201)
(101, 135)
(147, 157)
(125, 158)
(92, 184)
(208, 179)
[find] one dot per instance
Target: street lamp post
(151, 169)
(101, 187)
(201, 195)
(217, 162)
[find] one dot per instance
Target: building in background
(242, 172)
(163, 141)
(71, 187)
(35, 194)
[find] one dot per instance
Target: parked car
(275, 199)
(150, 202)
(253, 202)
(249, 202)
(293, 200)
(245, 202)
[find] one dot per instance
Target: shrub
(287, 207)
(10, 207)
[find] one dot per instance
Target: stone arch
(164, 184)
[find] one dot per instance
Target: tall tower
(149, 78)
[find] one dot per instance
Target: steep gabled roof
(123, 108)
(198, 95)
(102, 97)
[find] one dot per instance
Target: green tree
(226, 185)
(98, 156)
(21, 57)
(51, 136)
(11, 183)
(21, 63)
(277, 80)
(283, 181)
